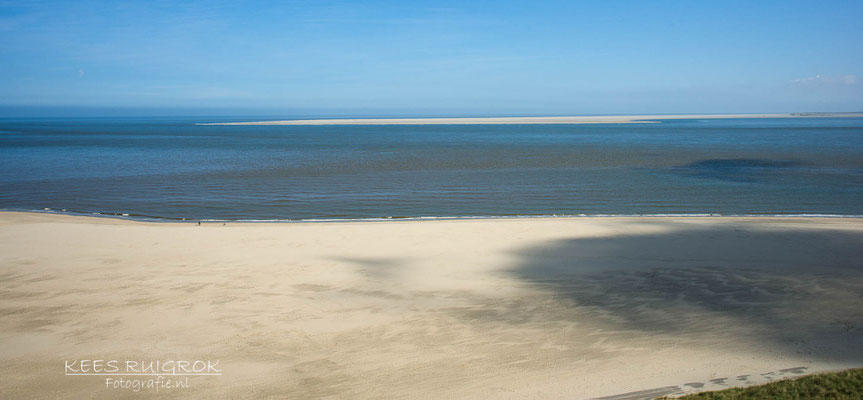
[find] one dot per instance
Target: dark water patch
(737, 170)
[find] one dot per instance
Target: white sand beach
(613, 119)
(553, 308)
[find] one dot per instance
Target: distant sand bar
(611, 119)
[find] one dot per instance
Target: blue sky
(434, 57)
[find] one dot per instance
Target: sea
(174, 169)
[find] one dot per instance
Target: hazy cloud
(824, 80)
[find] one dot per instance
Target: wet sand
(620, 308)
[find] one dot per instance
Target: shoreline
(617, 119)
(484, 308)
(169, 220)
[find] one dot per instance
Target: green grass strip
(831, 385)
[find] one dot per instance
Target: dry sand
(614, 119)
(463, 309)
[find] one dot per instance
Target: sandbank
(616, 119)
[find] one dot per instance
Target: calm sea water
(172, 168)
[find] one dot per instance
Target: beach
(579, 307)
(591, 119)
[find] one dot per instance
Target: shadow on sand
(794, 290)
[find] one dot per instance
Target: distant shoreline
(613, 119)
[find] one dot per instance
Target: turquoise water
(172, 168)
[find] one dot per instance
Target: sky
(432, 57)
